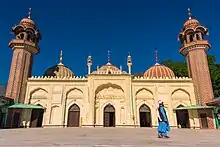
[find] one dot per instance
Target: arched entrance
(37, 117)
(145, 116)
(73, 116)
(182, 117)
(109, 116)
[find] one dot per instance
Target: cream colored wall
(114, 90)
(58, 95)
(174, 92)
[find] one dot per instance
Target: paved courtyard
(107, 137)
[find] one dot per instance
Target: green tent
(195, 107)
(25, 106)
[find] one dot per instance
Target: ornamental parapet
(55, 78)
(138, 78)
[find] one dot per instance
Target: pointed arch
(143, 89)
(73, 116)
(72, 90)
(109, 116)
(181, 89)
(145, 116)
(37, 89)
(37, 102)
(107, 85)
(180, 103)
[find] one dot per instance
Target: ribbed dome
(108, 67)
(59, 70)
(159, 71)
(191, 23)
(27, 21)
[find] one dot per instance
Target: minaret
(24, 46)
(194, 48)
(89, 64)
(129, 63)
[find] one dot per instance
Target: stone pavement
(107, 137)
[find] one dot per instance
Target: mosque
(109, 96)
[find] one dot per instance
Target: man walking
(164, 126)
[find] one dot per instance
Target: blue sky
(91, 27)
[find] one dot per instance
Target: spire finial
(29, 13)
(189, 13)
(61, 57)
(156, 55)
(108, 56)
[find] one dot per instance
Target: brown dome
(191, 23)
(59, 70)
(159, 71)
(108, 67)
(27, 21)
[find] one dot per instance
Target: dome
(27, 21)
(59, 70)
(108, 68)
(159, 71)
(191, 23)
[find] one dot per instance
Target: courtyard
(106, 137)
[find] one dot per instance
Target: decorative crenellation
(162, 78)
(111, 72)
(57, 78)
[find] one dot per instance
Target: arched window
(198, 36)
(28, 37)
(190, 38)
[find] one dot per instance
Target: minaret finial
(61, 57)
(29, 13)
(156, 55)
(108, 56)
(189, 13)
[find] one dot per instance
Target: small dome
(191, 23)
(159, 71)
(27, 21)
(59, 70)
(108, 68)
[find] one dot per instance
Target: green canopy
(194, 107)
(25, 106)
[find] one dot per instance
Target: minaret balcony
(197, 44)
(25, 44)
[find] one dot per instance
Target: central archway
(182, 118)
(73, 116)
(36, 117)
(145, 116)
(109, 116)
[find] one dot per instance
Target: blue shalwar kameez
(164, 126)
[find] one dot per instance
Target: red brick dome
(159, 71)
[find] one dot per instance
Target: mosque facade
(109, 96)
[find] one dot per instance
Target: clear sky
(91, 27)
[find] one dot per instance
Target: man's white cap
(160, 102)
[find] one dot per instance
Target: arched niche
(109, 91)
(38, 93)
(180, 94)
(144, 93)
(74, 93)
(54, 115)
